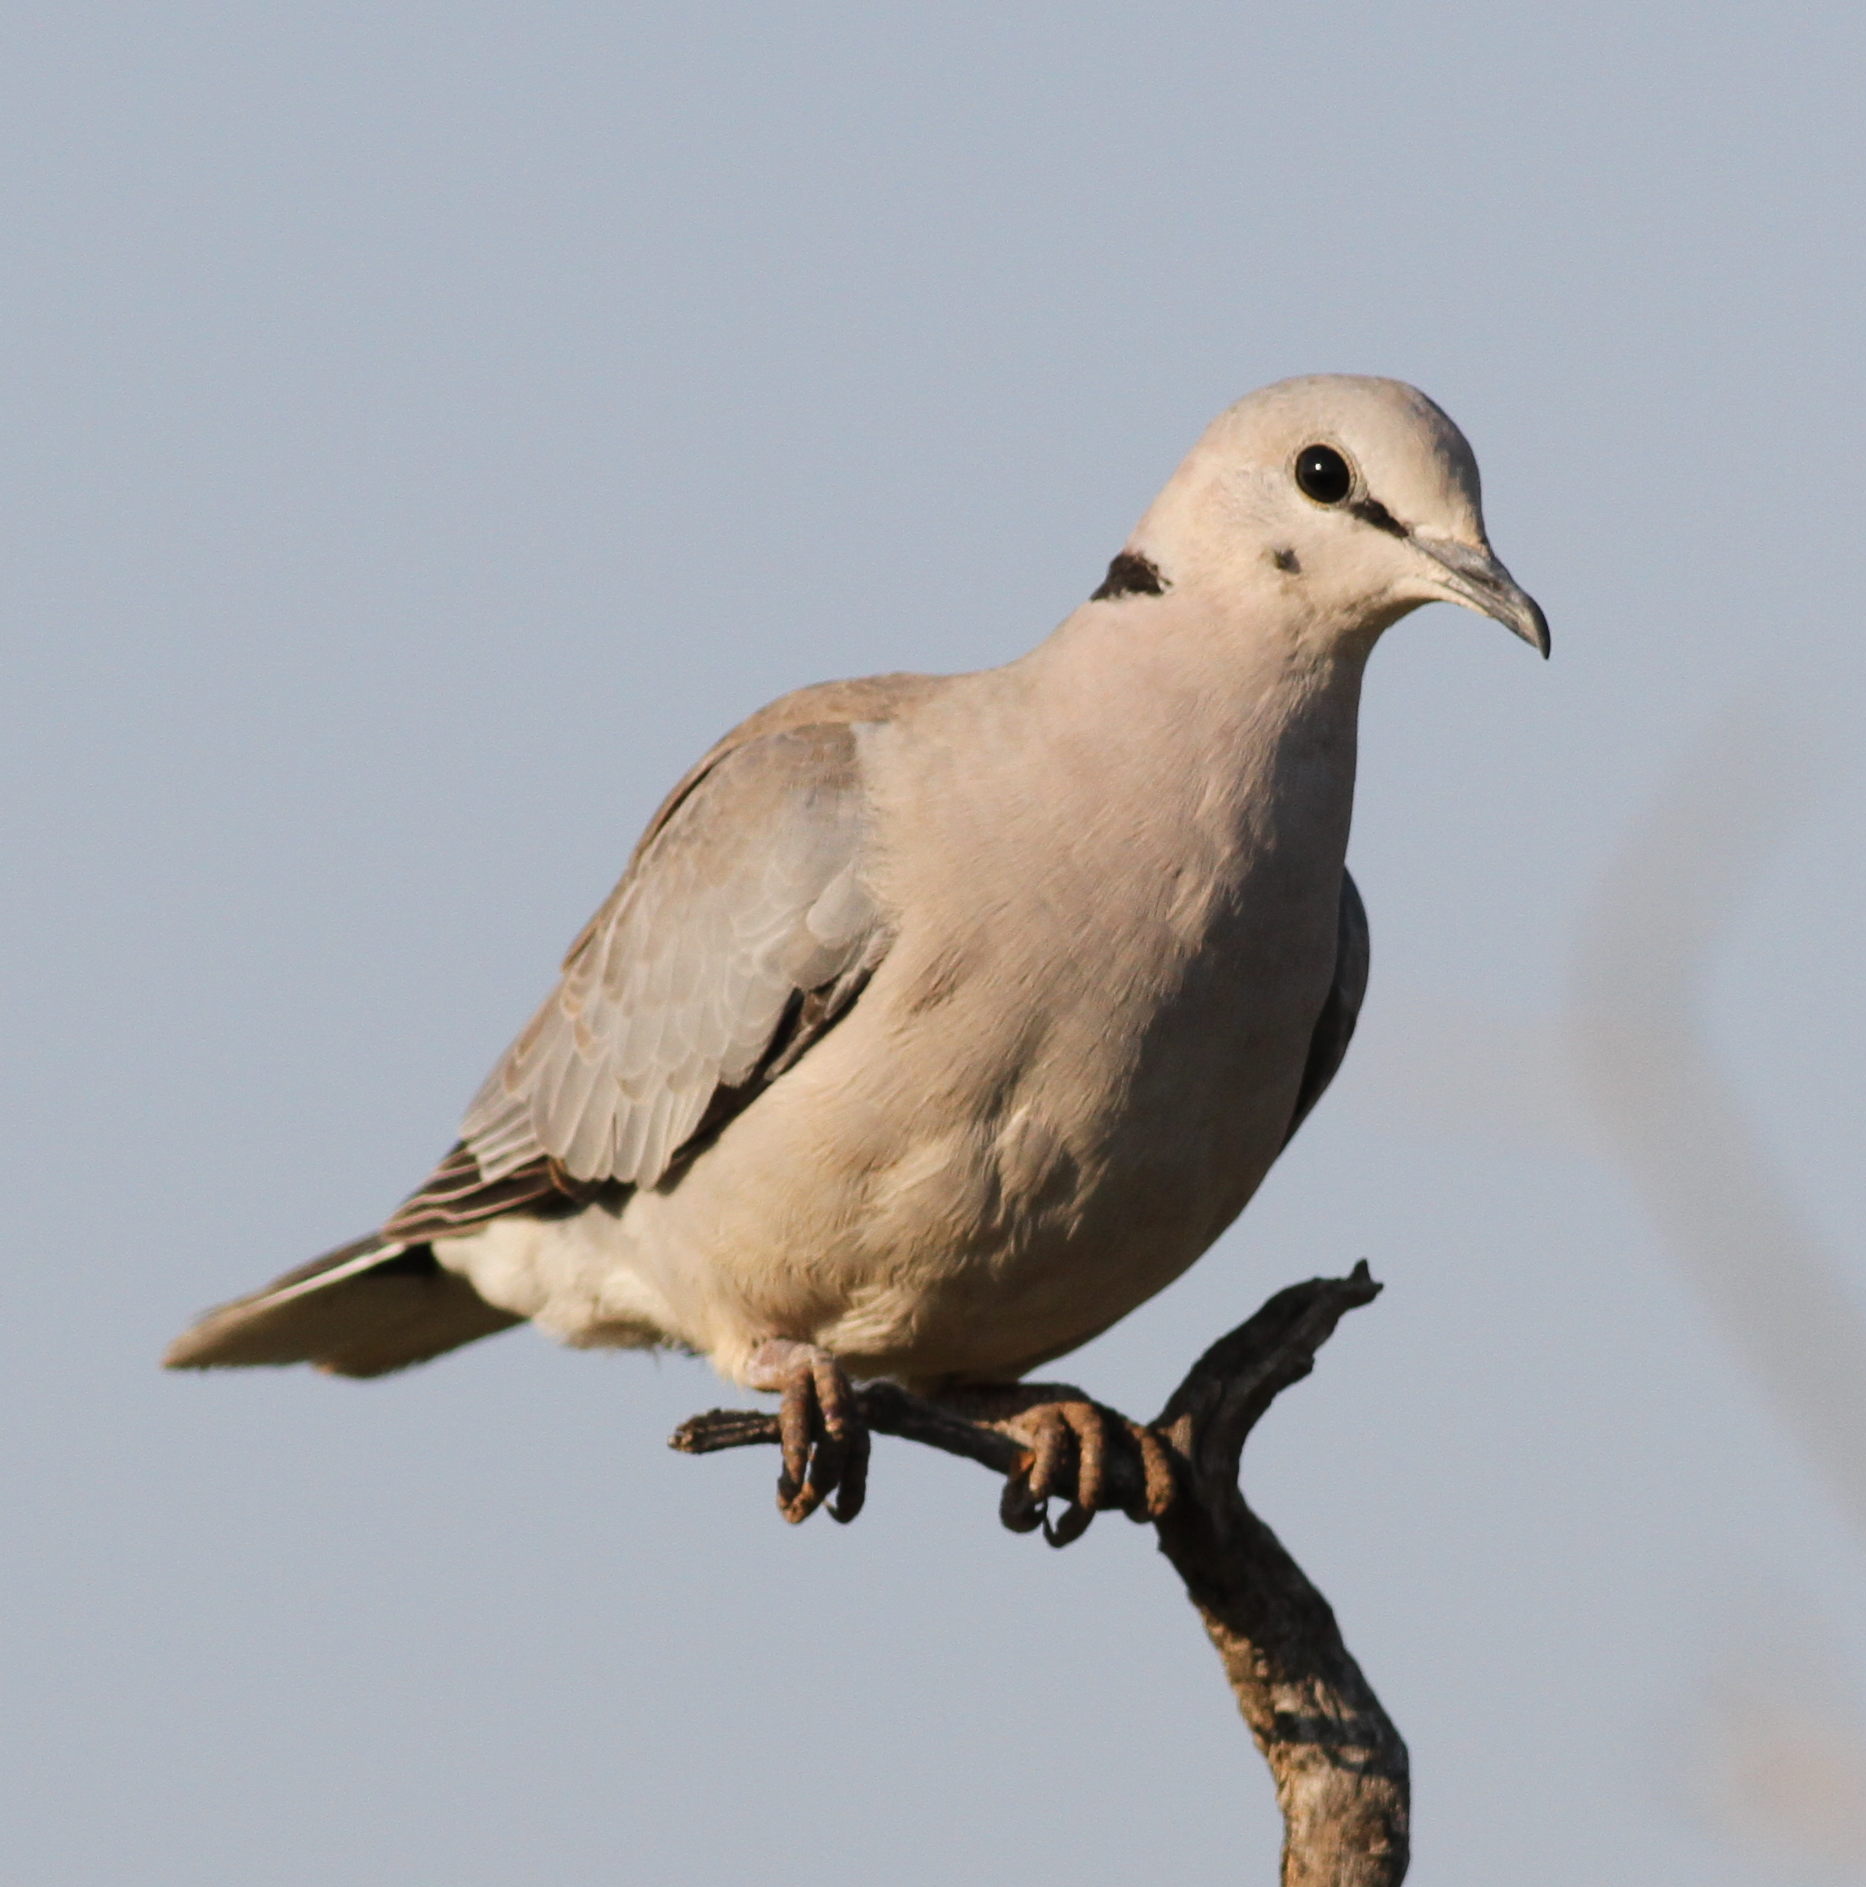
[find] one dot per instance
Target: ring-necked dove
(938, 1021)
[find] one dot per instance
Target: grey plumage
(937, 1021)
(362, 1310)
(747, 901)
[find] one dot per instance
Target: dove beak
(1471, 575)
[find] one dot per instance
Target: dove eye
(1323, 474)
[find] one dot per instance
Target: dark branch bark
(1339, 1765)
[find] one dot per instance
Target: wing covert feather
(747, 898)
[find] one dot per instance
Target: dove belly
(1112, 1162)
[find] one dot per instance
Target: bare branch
(1339, 1765)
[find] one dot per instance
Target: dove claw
(1071, 1445)
(820, 1426)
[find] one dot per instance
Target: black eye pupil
(1323, 474)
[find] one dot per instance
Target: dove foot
(1072, 1446)
(820, 1426)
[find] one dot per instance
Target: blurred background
(426, 427)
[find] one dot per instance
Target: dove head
(1349, 500)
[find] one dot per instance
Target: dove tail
(361, 1310)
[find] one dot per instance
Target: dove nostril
(1323, 474)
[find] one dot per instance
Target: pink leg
(1070, 1441)
(825, 1440)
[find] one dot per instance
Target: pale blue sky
(425, 429)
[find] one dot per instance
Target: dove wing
(740, 933)
(1334, 1027)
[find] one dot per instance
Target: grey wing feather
(363, 1310)
(744, 924)
(1341, 1009)
(741, 931)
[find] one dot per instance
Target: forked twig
(1339, 1765)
